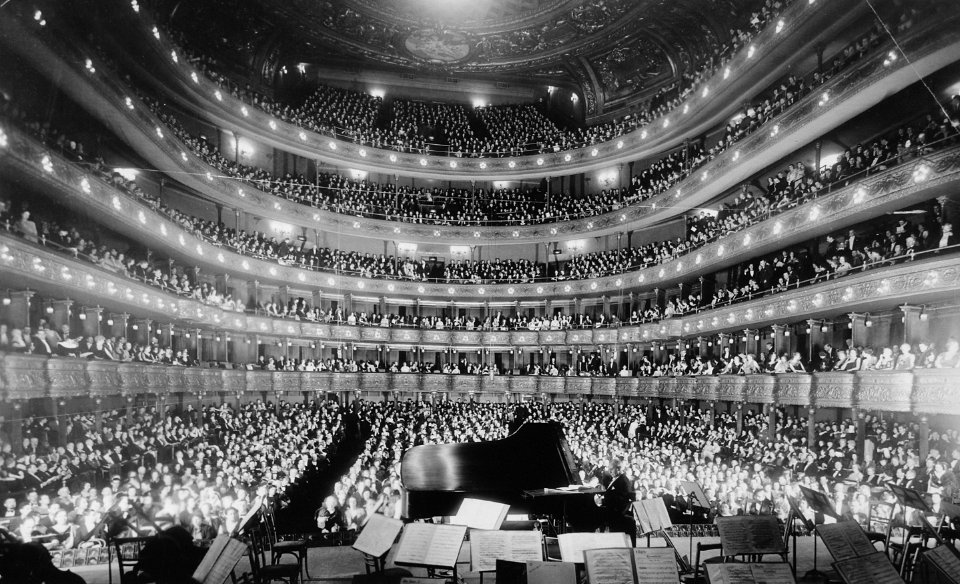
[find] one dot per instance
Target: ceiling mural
(628, 46)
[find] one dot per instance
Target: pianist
(616, 499)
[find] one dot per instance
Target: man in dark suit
(616, 500)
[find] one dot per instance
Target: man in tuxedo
(616, 499)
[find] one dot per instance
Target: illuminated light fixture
(393, 158)
(46, 163)
(302, 136)
(703, 177)
(824, 328)
(818, 300)
(135, 327)
(483, 165)
(780, 25)
(643, 135)
(539, 162)
(332, 145)
(512, 164)
(273, 125)
(128, 102)
(156, 33)
(110, 323)
(553, 231)
(666, 123)
(859, 195)
(792, 306)
(453, 164)
(391, 287)
(891, 58)
(510, 290)
(360, 285)
(594, 152)
(183, 155)
(159, 132)
(173, 55)
(193, 75)
(706, 92)
(89, 65)
(567, 158)
(241, 193)
(199, 249)
(81, 316)
(276, 206)
(775, 131)
(921, 173)
(85, 185)
(244, 111)
(726, 72)
(662, 272)
(479, 291)
(423, 162)
(363, 153)
(824, 98)
(751, 51)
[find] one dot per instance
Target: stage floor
(338, 565)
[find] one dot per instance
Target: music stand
(790, 528)
(820, 503)
(910, 498)
(652, 518)
(697, 499)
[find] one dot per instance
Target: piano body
(437, 477)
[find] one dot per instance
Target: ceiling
(611, 50)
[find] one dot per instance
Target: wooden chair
(278, 547)
(262, 571)
(705, 547)
(127, 551)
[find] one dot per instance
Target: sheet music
(946, 560)
(551, 573)
(223, 559)
(845, 540)
(428, 544)
(652, 515)
(873, 569)
(415, 580)
(572, 545)
(378, 535)
(486, 547)
(655, 566)
(762, 573)
(610, 566)
(758, 534)
(480, 514)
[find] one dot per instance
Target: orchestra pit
(503, 291)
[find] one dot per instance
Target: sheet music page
(845, 540)
(694, 490)
(209, 558)
(872, 569)
(572, 545)
(750, 535)
(610, 566)
(644, 523)
(445, 545)
(729, 574)
(486, 547)
(773, 573)
(945, 560)
(415, 580)
(430, 544)
(551, 573)
(657, 511)
(223, 566)
(378, 535)
(480, 514)
(656, 566)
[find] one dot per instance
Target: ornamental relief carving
(211, 380)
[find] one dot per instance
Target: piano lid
(536, 456)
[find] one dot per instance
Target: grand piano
(514, 470)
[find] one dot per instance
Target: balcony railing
(922, 391)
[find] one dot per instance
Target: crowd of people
(145, 470)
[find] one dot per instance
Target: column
(779, 338)
(284, 294)
(606, 305)
(858, 328)
(221, 283)
(91, 320)
(16, 309)
(916, 326)
(923, 438)
(812, 428)
(61, 314)
(814, 337)
(752, 337)
(772, 422)
(316, 299)
(257, 293)
(860, 420)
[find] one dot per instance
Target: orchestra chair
(278, 547)
(128, 554)
(705, 547)
(879, 515)
(902, 546)
(263, 571)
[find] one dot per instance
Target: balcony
(922, 391)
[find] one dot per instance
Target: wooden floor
(336, 565)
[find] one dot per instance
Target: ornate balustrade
(930, 391)
(913, 181)
(923, 280)
(850, 93)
